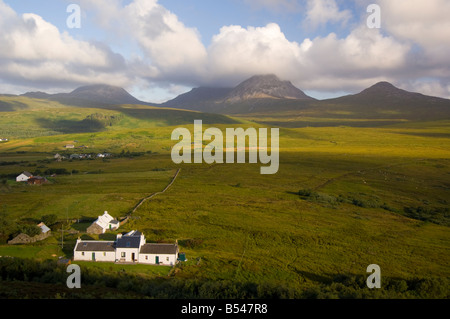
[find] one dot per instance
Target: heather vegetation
(344, 197)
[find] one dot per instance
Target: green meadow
(344, 197)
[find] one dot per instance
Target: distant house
(158, 254)
(59, 157)
(128, 248)
(103, 223)
(37, 180)
(69, 146)
(25, 239)
(45, 229)
(94, 251)
(4, 140)
(25, 176)
(103, 155)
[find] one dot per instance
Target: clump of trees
(360, 200)
(10, 228)
(437, 215)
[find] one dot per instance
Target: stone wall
(25, 239)
(94, 229)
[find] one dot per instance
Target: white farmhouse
(158, 254)
(94, 251)
(128, 248)
(25, 176)
(103, 223)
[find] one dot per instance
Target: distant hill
(265, 86)
(267, 94)
(37, 95)
(261, 96)
(258, 93)
(384, 100)
(98, 95)
(198, 99)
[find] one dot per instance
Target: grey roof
(133, 233)
(95, 246)
(44, 228)
(163, 249)
(128, 242)
(27, 174)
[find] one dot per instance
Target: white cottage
(94, 251)
(158, 254)
(103, 223)
(25, 176)
(128, 248)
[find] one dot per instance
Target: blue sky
(159, 49)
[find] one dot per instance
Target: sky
(158, 49)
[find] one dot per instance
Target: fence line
(151, 196)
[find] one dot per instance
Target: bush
(317, 197)
(50, 219)
(30, 230)
(437, 215)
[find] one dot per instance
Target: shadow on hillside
(315, 277)
(12, 106)
(71, 126)
(302, 124)
(166, 115)
(176, 117)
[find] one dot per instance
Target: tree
(30, 230)
(50, 219)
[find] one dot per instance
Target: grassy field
(344, 197)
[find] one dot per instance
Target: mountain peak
(384, 88)
(104, 93)
(265, 86)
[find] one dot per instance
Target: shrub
(30, 230)
(50, 219)
(437, 215)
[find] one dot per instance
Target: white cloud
(411, 44)
(430, 87)
(365, 56)
(425, 23)
(167, 42)
(321, 12)
(236, 52)
(169, 50)
(34, 50)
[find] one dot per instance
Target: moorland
(350, 192)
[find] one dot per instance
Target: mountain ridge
(265, 86)
(267, 94)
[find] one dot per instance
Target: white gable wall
(22, 178)
(164, 259)
(104, 222)
(107, 256)
(126, 254)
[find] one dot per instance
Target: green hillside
(23, 117)
(344, 197)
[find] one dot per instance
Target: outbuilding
(25, 176)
